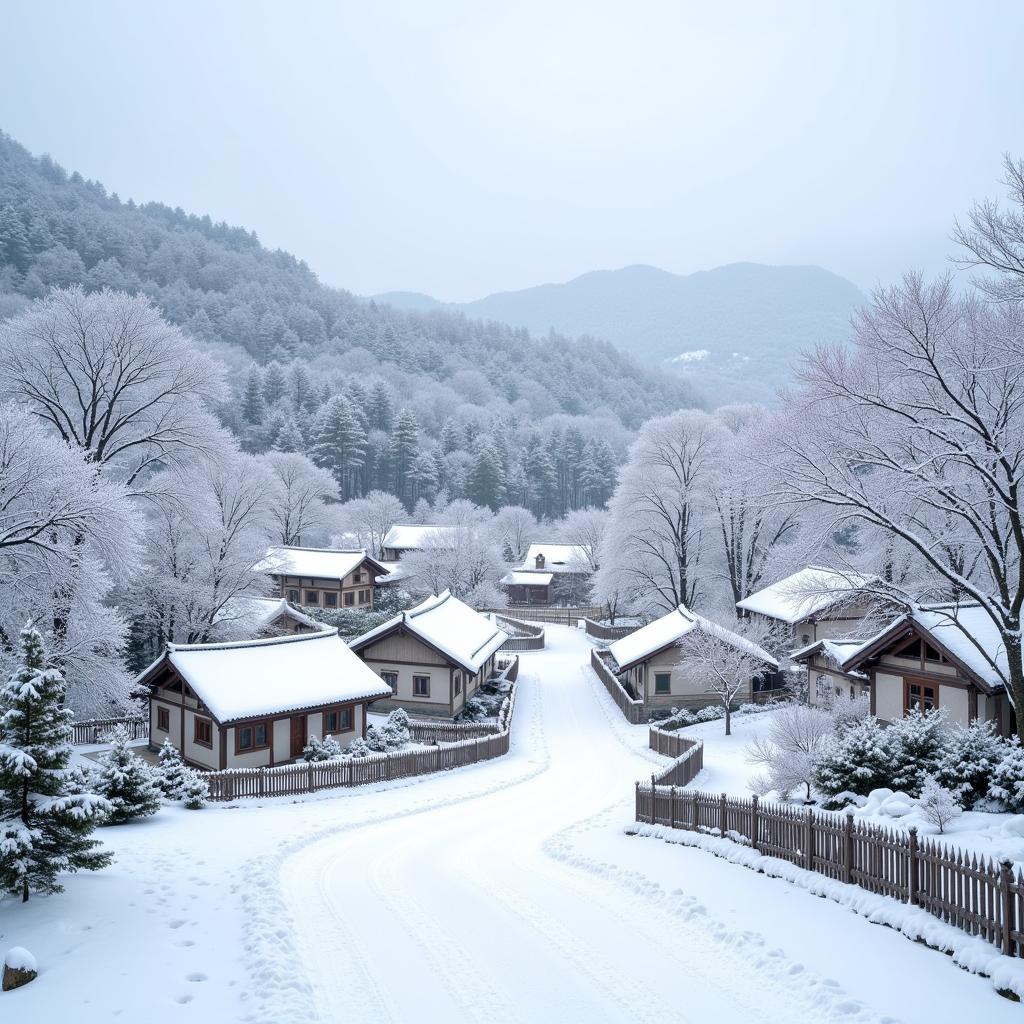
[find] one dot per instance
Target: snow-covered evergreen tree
(252, 400)
(917, 742)
(321, 750)
(195, 790)
(130, 785)
(856, 761)
(359, 747)
(1007, 784)
(45, 828)
(170, 771)
(970, 757)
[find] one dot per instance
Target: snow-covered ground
(507, 891)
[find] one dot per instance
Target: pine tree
(171, 770)
(195, 790)
(970, 757)
(857, 762)
(130, 785)
(485, 485)
(339, 444)
(274, 383)
(1007, 785)
(289, 438)
(45, 829)
(381, 406)
(300, 384)
(402, 450)
(450, 439)
(918, 740)
(252, 403)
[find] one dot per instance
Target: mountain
(734, 331)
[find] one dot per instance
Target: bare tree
(366, 521)
(724, 661)
(515, 527)
(112, 377)
(299, 495)
(789, 752)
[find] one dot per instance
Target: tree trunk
(728, 720)
(1016, 673)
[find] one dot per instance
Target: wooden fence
(979, 896)
(548, 613)
(688, 757)
(630, 707)
(96, 730)
(296, 779)
(526, 636)
(603, 632)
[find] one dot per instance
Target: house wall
(835, 684)
(157, 735)
(196, 753)
(361, 590)
(407, 656)
(682, 693)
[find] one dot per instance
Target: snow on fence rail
(631, 708)
(688, 757)
(603, 632)
(546, 613)
(526, 636)
(295, 779)
(95, 730)
(979, 896)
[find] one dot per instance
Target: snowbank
(20, 959)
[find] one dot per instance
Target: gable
(400, 645)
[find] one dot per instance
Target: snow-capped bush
(392, 735)
(358, 748)
(195, 790)
(855, 762)
(126, 781)
(917, 742)
(969, 760)
(1007, 785)
(790, 750)
(327, 749)
(938, 804)
(847, 712)
(680, 718)
(170, 771)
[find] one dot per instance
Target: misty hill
(473, 388)
(734, 331)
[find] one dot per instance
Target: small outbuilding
(433, 657)
(262, 617)
(405, 537)
(323, 577)
(255, 703)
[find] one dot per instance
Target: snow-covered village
(511, 513)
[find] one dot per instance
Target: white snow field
(507, 891)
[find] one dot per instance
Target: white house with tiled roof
(323, 577)
(255, 703)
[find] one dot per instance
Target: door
(298, 735)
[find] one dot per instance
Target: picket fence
(688, 757)
(96, 730)
(478, 741)
(629, 706)
(979, 896)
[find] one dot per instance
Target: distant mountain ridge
(735, 331)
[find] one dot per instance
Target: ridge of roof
(269, 641)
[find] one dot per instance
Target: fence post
(848, 848)
(637, 790)
(912, 874)
(261, 776)
(809, 841)
(654, 800)
(672, 806)
(309, 777)
(1006, 885)
(722, 811)
(754, 824)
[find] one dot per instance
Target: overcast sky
(464, 148)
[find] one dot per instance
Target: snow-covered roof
(319, 563)
(395, 571)
(261, 611)
(836, 652)
(527, 578)
(414, 536)
(558, 558)
(274, 676)
(952, 627)
(461, 634)
(804, 594)
(663, 632)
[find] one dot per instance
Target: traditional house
(263, 616)
(433, 657)
(551, 574)
(323, 577)
(405, 537)
(934, 656)
(255, 703)
(648, 661)
(827, 679)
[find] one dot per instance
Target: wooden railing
(548, 613)
(603, 632)
(96, 730)
(687, 754)
(630, 707)
(489, 740)
(525, 635)
(979, 896)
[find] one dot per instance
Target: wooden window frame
(294, 596)
(350, 599)
(415, 678)
(340, 711)
(662, 675)
(163, 719)
(197, 721)
(313, 597)
(268, 735)
(924, 684)
(330, 599)
(458, 683)
(357, 576)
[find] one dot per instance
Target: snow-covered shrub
(170, 770)
(938, 804)
(392, 735)
(1007, 785)
(195, 790)
(857, 761)
(326, 749)
(359, 747)
(710, 714)
(917, 742)
(969, 760)
(789, 752)
(846, 712)
(126, 781)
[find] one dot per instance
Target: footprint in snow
(196, 976)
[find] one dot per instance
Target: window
(293, 597)
(662, 682)
(357, 577)
(930, 654)
(919, 696)
(421, 686)
(823, 688)
(312, 597)
(391, 678)
(338, 720)
(364, 596)
(912, 650)
(251, 737)
(163, 719)
(203, 734)
(331, 599)
(458, 683)
(349, 598)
